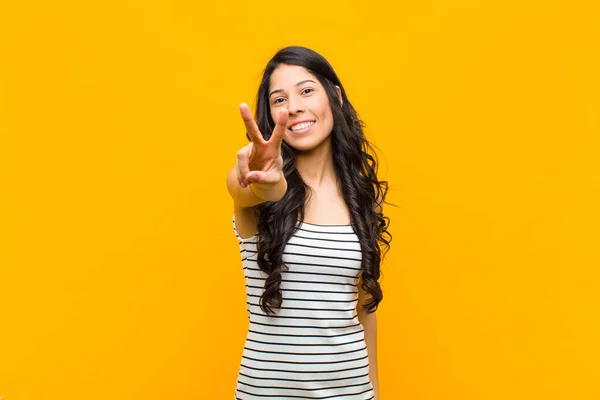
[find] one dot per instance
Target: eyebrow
(296, 85)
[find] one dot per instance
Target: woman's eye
(306, 90)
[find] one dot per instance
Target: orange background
(120, 274)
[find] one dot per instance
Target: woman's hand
(260, 161)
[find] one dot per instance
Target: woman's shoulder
(245, 223)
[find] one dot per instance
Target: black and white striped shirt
(314, 347)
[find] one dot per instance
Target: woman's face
(310, 119)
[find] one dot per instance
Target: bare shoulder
(245, 221)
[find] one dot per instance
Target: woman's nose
(295, 106)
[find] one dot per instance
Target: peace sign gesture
(260, 162)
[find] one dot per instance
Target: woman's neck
(316, 165)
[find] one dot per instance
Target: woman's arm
(369, 323)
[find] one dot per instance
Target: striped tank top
(314, 346)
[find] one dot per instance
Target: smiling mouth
(302, 127)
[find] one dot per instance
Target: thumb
(262, 177)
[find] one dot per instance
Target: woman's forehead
(286, 76)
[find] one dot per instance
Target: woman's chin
(307, 143)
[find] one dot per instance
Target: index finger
(251, 127)
(280, 127)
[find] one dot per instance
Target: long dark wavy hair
(355, 164)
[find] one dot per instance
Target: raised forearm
(270, 192)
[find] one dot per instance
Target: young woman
(309, 222)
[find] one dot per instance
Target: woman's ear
(340, 94)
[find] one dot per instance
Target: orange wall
(120, 274)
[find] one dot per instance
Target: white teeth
(302, 126)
